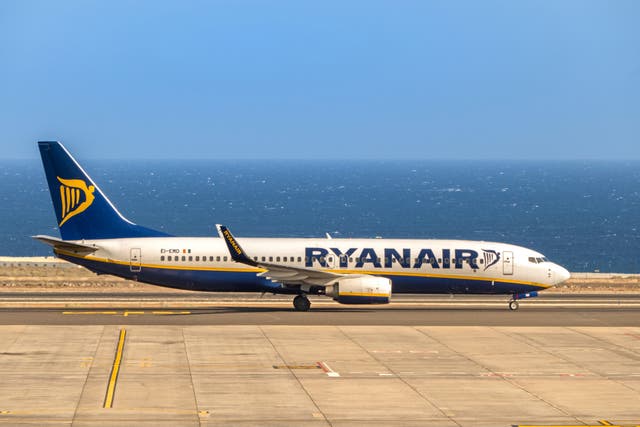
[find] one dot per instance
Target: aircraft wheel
(301, 303)
(513, 305)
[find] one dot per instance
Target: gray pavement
(328, 316)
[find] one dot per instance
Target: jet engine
(360, 290)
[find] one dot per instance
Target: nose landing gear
(513, 303)
(301, 303)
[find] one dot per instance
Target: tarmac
(423, 361)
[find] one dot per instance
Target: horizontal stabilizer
(66, 245)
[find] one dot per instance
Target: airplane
(95, 235)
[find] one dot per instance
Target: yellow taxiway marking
(128, 313)
(111, 389)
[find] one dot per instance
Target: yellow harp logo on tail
(75, 197)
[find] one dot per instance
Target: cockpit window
(538, 260)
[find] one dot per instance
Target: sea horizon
(582, 214)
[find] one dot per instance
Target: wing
(277, 272)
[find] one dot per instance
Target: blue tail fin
(83, 211)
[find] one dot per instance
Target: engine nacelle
(360, 290)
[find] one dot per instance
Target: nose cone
(560, 275)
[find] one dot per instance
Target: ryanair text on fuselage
(369, 257)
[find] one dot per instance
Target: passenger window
(284, 259)
(439, 260)
(218, 258)
(263, 259)
(270, 259)
(255, 258)
(190, 258)
(169, 258)
(299, 259)
(211, 258)
(351, 259)
(184, 258)
(330, 259)
(277, 259)
(225, 259)
(198, 258)
(162, 258)
(481, 261)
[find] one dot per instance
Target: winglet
(236, 252)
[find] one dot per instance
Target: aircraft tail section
(82, 209)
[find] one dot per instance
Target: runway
(242, 309)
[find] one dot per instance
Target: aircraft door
(135, 260)
(507, 262)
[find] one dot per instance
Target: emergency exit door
(135, 260)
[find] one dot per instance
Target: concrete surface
(320, 375)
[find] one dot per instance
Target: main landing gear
(513, 305)
(301, 303)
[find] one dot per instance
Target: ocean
(581, 214)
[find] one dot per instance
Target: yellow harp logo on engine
(75, 197)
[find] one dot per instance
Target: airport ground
(78, 349)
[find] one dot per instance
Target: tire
(513, 305)
(301, 303)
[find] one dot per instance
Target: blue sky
(300, 79)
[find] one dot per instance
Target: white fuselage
(416, 266)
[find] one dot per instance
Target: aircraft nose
(561, 274)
